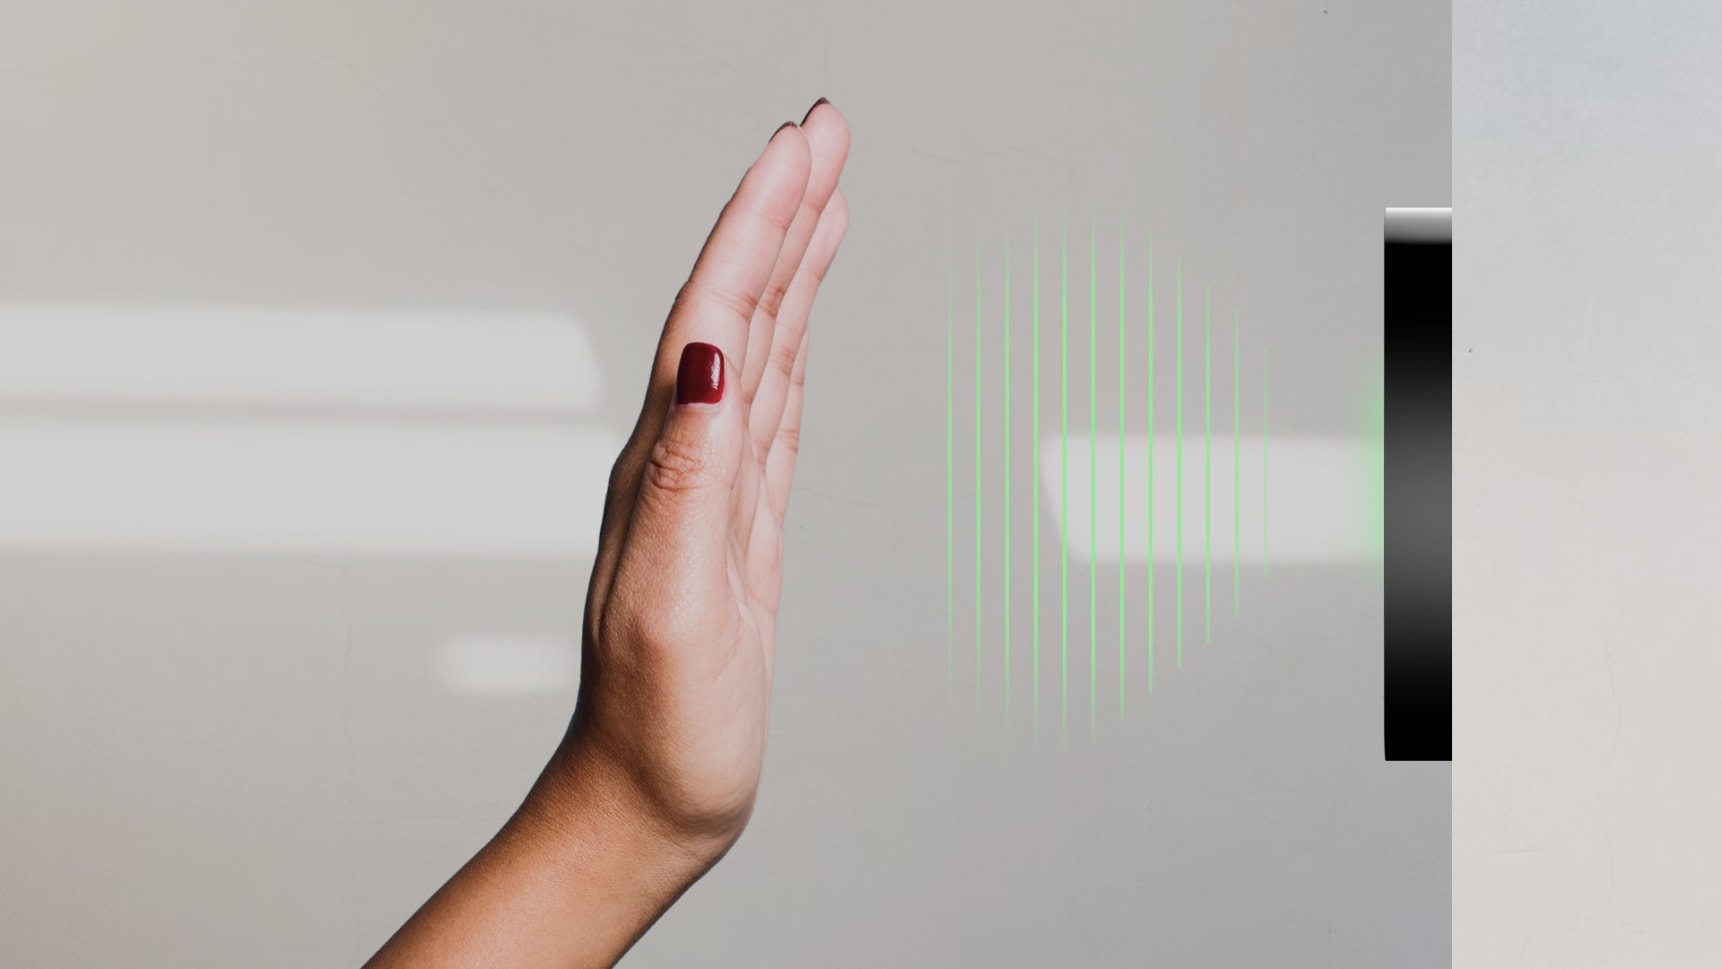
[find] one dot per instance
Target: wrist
(594, 819)
(573, 879)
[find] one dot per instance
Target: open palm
(681, 611)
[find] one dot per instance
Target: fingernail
(699, 377)
(779, 131)
(815, 107)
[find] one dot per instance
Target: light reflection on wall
(1314, 490)
(300, 431)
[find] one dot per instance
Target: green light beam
(1035, 356)
(1093, 478)
(1121, 491)
(1064, 486)
(1007, 479)
(977, 477)
(1151, 570)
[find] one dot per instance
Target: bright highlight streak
(307, 487)
(299, 431)
(343, 362)
(1319, 485)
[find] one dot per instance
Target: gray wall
(244, 758)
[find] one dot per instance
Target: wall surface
(1586, 478)
(226, 741)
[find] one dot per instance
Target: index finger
(717, 302)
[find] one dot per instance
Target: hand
(656, 776)
(681, 611)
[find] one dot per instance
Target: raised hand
(657, 774)
(681, 613)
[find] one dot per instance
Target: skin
(657, 774)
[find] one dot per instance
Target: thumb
(680, 530)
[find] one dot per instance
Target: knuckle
(783, 355)
(771, 301)
(780, 219)
(727, 298)
(676, 466)
(789, 438)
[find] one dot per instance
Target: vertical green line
(1180, 508)
(950, 478)
(1237, 432)
(977, 477)
(1035, 356)
(1152, 565)
(1121, 491)
(1008, 573)
(1208, 464)
(1093, 476)
(1064, 481)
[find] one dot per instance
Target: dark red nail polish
(815, 107)
(699, 378)
(774, 134)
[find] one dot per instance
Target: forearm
(573, 879)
